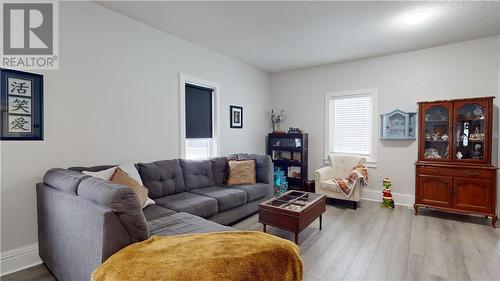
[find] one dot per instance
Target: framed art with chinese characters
(22, 105)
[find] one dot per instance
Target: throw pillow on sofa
(120, 177)
(132, 172)
(104, 174)
(128, 169)
(241, 172)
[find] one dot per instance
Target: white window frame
(186, 79)
(373, 92)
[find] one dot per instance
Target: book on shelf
(294, 172)
(297, 156)
(282, 155)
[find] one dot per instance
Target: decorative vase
(276, 126)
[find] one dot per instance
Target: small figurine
(477, 151)
(478, 113)
(292, 130)
(459, 155)
(465, 135)
(431, 153)
(444, 137)
(387, 202)
(436, 136)
(476, 136)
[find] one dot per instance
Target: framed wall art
(22, 105)
(236, 116)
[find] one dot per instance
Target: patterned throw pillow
(241, 172)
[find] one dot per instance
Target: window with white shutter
(349, 123)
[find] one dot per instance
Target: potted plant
(276, 119)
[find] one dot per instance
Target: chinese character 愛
(19, 124)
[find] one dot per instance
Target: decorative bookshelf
(289, 153)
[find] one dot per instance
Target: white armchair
(340, 166)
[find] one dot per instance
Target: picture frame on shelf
(236, 117)
(21, 96)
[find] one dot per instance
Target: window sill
(370, 164)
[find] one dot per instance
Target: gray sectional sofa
(83, 220)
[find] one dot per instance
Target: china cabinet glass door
(470, 132)
(437, 132)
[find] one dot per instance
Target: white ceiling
(281, 36)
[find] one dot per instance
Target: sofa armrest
(74, 234)
(322, 174)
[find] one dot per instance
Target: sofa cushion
(219, 169)
(154, 212)
(183, 223)
(64, 180)
(195, 204)
(227, 198)
(197, 174)
(254, 191)
(162, 178)
(263, 165)
(119, 198)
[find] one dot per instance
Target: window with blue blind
(199, 109)
(199, 117)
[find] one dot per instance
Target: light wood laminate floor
(374, 243)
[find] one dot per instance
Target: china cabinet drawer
(457, 172)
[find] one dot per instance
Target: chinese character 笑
(20, 105)
(18, 124)
(19, 87)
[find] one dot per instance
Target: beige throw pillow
(120, 177)
(241, 172)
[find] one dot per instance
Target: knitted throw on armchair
(238, 255)
(358, 174)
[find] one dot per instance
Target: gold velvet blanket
(241, 255)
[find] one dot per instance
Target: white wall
(461, 70)
(115, 99)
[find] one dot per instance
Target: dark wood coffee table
(292, 211)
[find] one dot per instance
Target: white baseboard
(402, 199)
(19, 259)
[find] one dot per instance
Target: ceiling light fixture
(416, 17)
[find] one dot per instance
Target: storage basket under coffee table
(292, 211)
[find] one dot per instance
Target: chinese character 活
(19, 87)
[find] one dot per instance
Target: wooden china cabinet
(454, 171)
